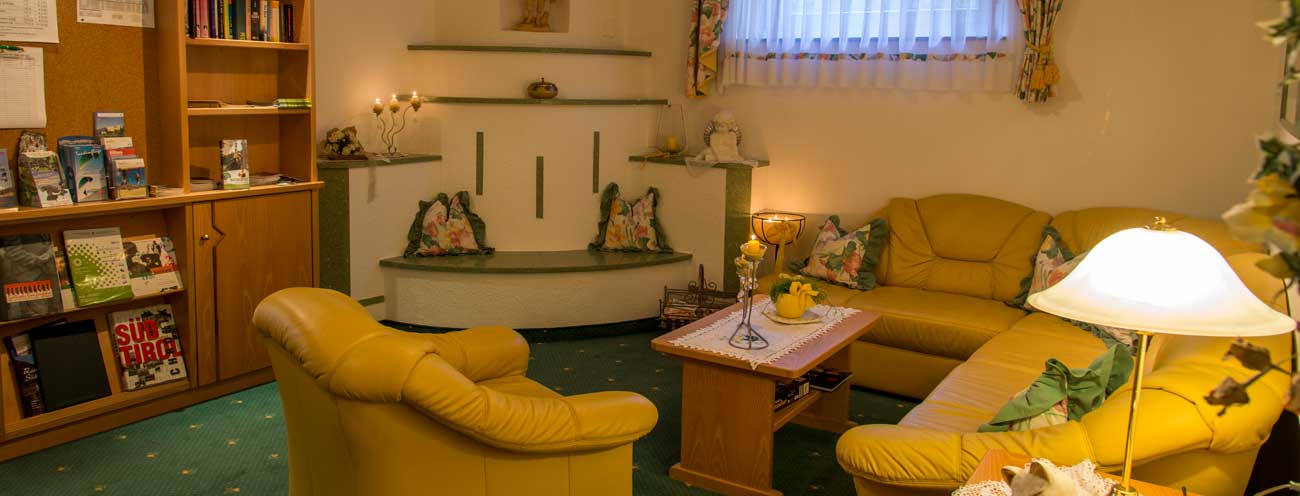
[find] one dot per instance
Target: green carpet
(236, 444)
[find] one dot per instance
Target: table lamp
(778, 229)
(1158, 280)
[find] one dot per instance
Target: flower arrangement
(792, 295)
(342, 143)
(1270, 215)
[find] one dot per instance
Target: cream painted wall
(1159, 106)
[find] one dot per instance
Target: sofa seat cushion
(1006, 365)
(933, 322)
(519, 385)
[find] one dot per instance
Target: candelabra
(389, 130)
(745, 337)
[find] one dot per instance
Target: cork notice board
(96, 67)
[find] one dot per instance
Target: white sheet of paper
(134, 13)
(22, 88)
(33, 21)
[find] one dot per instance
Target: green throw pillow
(846, 258)
(1062, 394)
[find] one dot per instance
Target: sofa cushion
(965, 244)
(975, 390)
(932, 322)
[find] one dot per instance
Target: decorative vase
(790, 306)
(543, 89)
(671, 135)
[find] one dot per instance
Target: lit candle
(394, 105)
(378, 108)
(753, 249)
(416, 101)
(672, 145)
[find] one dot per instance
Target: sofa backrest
(964, 244)
(1083, 229)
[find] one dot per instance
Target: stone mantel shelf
(536, 262)
(682, 161)
(436, 47)
(378, 161)
(473, 100)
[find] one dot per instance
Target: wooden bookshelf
(233, 247)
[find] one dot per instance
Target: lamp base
(1120, 491)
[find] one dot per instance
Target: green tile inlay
(374, 300)
(541, 168)
(527, 49)
(595, 162)
(478, 164)
(736, 227)
(537, 262)
(335, 233)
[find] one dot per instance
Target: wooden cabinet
(254, 247)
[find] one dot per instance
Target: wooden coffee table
(727, 417)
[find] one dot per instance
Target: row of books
(821, 379)
(60, 364)
(100, 267)
(251, 20)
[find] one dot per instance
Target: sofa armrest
(924, 458)
(483, 353)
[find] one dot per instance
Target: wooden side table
(727, 417)
(990, 469)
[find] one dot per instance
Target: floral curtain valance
(707, 19)
(914, 44)
(1039, 73)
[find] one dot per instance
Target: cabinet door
(264, 244)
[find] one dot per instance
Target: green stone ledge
(560, 102)
(536, 262)
(682, 161)
(377, 161)
(525, 49)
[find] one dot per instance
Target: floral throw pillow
(846, 258)
(1051, 264)
(446, 226)
(629, 225)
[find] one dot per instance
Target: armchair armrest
(483, 353)
(612, 418)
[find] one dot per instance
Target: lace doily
(783, 339)
(1084, 474)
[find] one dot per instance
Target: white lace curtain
(943, 45)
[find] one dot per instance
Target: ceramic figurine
(722, 139)
(1039, 480)
(537, 16)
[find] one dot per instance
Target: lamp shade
(1160, 281)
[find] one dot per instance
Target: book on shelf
(98, 265)
(234, 164)
(151, 261)
(27, 376)
(118, 146)
(255, 20)
(292, 103)
(275, 21)
(70, 363)
(67, 295)
(8, 188)
(147, 346)
(288, 23)
(789, 392)
(240, 19)
(84, 167)
(110, 124)
(41, 181)
(29, 275)
(129, 178)
(250, 20)
(827, 379)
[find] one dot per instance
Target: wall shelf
(264, 45)
(526, 49)
(682, 161)
(377, 161)
(467, 100)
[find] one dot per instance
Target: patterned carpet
(236, 444)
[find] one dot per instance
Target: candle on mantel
(378, 108)
(672, 145)
(416, 101)
(753, 249)
(394, 105)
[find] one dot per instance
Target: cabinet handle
(204, 238)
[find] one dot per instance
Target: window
(831, 20)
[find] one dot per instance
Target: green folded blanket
(1079, 390)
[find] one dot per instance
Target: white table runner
(782, 339)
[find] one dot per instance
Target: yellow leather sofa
(950, 264)
(371, 410)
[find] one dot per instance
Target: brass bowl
(543, 90)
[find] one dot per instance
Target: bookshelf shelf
(25, 215)
(138, 301)
(237, 111)
(46, 421)
(260, 45)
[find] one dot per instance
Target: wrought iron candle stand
(745, 337)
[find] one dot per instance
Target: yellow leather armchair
(371, 410)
